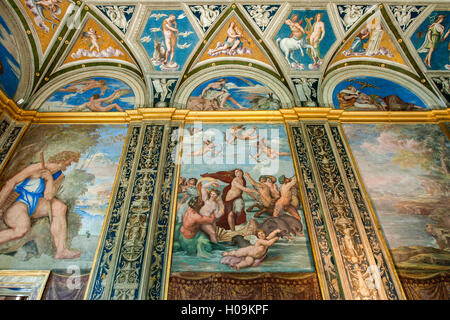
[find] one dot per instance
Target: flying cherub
(208, 146)
(262, 147)
(239, 132)
(93, 37)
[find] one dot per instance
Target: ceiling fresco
(305, 38)
(230, 55)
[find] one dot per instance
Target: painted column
(351, 257)
(121, 268)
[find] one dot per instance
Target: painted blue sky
(384, 88)
(374, 147)
(63, 101)
(237, 155)
(186, 41)
(10, 71)
(440, 57)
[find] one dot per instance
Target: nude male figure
(212, 204)
(170, 32)
(264, 193)
(234, 194)
(296, 27)
(316, 36)
(95, 104)
(192, 221)
(216, 90)
(37, 188)
(256, 251)
(284, 203)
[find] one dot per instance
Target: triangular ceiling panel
(206, 14)
(46, 17)
(95, 42)
(119, 15)
(349, 14)
(233, 41)
(371, 41)
(406, 14)
(261, 14)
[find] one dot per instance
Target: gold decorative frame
(23, 283)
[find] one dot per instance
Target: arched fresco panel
(374, 94)
(231, 93)
(96, 94)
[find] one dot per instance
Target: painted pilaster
(350, 255)
(122, 267)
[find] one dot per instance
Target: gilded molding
(172, 114)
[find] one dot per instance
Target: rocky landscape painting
(405, 169)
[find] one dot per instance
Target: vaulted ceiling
(66, 56)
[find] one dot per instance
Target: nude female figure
(170, 31)
(232, 41)
(212, 204)
(235, 195)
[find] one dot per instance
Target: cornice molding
(172, 114)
